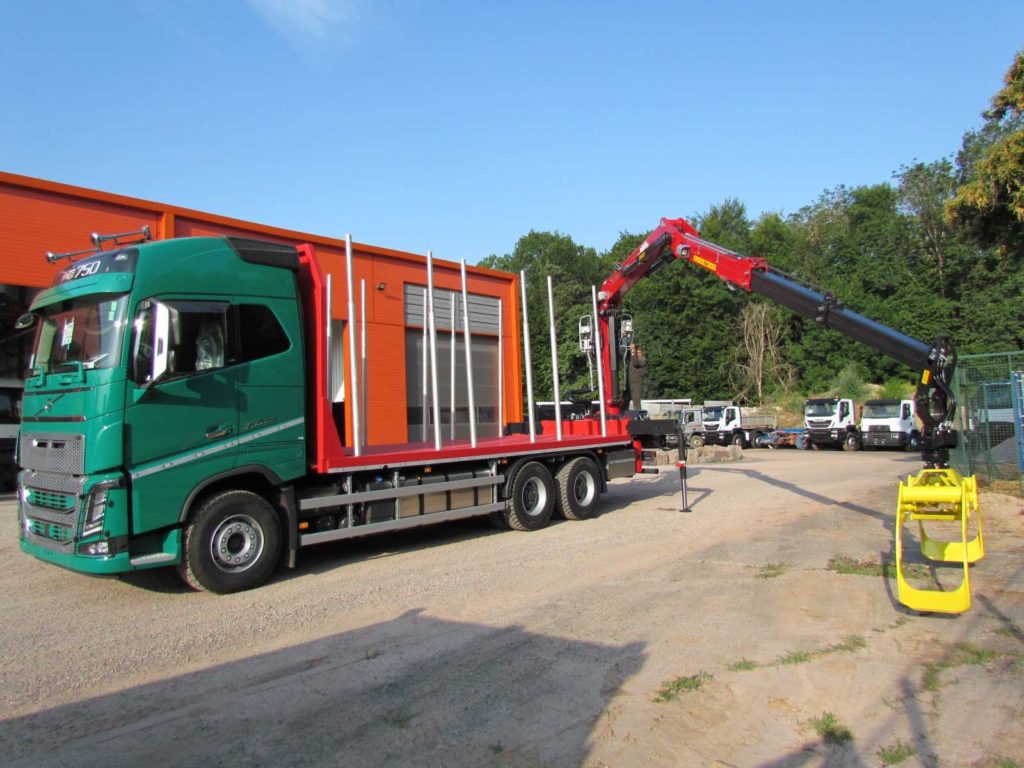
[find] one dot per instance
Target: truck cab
(159, 371)
(831, 422)
(691, 424)
(889, 423)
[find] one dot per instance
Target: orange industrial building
(37, 216)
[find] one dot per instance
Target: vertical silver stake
(435, 407)
(469, 357)
(357, 432)
(452, 360)
(426, 368)
(529, 365)
(362, 363)
(554, 360)
(327, 322)
(600, 363)
(501, 370)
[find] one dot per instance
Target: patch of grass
(1008, 763)
(896, 754)
(830, 730)
(744, 665)
(771, 570)
(1011, 631)
(930, 679)
(796, 657)
(497, 749)
(398, 719)
(674, 688)
(850, 643)
(848, 566)
(963, 654)
(973, 655)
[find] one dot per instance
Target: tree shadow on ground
(414, 691)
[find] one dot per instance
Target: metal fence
(990, 417)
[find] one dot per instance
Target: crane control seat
(939, 495)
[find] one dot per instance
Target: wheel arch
(253, 477)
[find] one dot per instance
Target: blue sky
(460, 126)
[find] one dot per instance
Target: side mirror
(586, 327)
(25, 321)
(161, 341)
(625, 331)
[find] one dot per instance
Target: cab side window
(258, 333)
(176, 338)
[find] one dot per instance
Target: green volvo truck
(176, 413)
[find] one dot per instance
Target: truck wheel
(851, 442)
(737, 439)
(579, 489)
(529, 506)
(696, 441)
(913, 442)
(231, 543)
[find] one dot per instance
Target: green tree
(924, 190)
(989, 202)
(574, 269)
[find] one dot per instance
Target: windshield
(820, 409)
(882, 411)
(86, 330)
(713, 414)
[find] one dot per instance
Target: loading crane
(937, 493)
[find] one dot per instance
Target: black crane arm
(678, 239)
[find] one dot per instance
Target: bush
(897, 389)
(850, 383)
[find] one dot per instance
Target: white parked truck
(726, 424)
(889, 423)
(831, 422)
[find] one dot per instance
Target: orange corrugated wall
(38, 216)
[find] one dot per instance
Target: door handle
(214, 432)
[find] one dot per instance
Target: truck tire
(696, 441)
(579, 489)
(532, 498)
(231, 543)
(913, 442)
(851, 442)
(737, 439)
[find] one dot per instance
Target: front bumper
(52, 508)
(883, 439)
(81, 564)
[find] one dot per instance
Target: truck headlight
(95, 512)
(96, 508)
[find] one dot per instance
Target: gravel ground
(643, 637)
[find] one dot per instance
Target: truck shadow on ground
(797, 490)
(414, 691)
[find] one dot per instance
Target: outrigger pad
(939, 495)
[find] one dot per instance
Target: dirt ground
(643, 637)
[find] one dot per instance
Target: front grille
(51, 531)
(877, 428)
(50, 500)
(51, 452)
